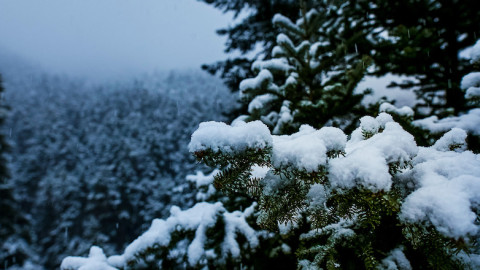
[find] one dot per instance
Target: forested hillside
(94, 164)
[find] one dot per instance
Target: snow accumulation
(198, 219)
(278, 51)
(316, 46)
(455, 139)
(395, 260)
(340, 229)
(292, 79)
(475, 53)
(264, 79)
(383, 119)
(275, 64)
(307, 149)
(204, 184)
(469, 122)
(389, 108)
(309, 16)
(259, 172)
(96, 261)
(284, 40)
(448, 189)
(472, 93)
(304, 149)
(470, 80)
(260, 102)
(369, 124)
(200, 179)
(471, 84)
(285, 117)
(366, 162)
(282, 20)
(217, 136)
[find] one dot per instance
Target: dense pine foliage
(418, 38)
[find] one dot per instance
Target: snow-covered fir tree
(312, 75)
(254, 28)
(421, 39)
(424, 39)
(373, 199)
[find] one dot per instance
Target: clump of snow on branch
(259, 172)
(259, 102)
(469, 122)
(307, 149)
(275, 64)
(396, 260)
(448, 192)
(471, 85)
(475, 53)
(217, 136)
(284, 117)
(369, 125)
(471, 82)
(389, 108)
(472, 93)
(96, 260)
(264, 79)
(366, 163)
(200, 179)
(197, 219)
(452, 140)
(204, 184)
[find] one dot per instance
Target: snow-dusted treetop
(308, 79)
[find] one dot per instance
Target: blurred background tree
(418, 38)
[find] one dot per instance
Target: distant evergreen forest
(94, 164)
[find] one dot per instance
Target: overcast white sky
(109, 38)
